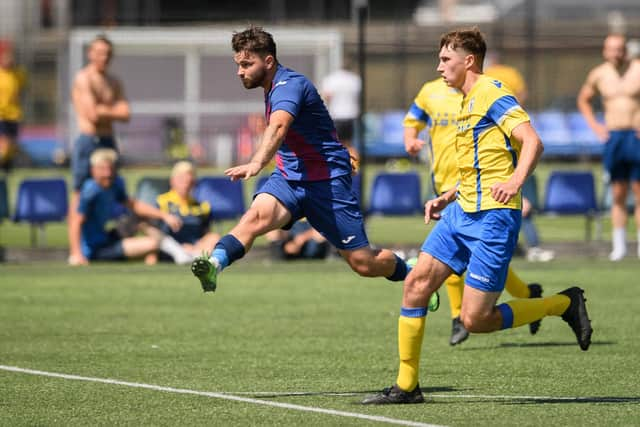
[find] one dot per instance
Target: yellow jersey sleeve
(418, 117)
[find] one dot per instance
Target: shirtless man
(99, 100)
(617, 81)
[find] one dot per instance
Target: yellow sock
(455, 287)
(524, 311)
(410, 333)
(516, 286)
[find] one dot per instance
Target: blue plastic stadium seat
(581, 133)
(225, 196)
(40, 201)
(396, 194)
(572, 193)
(552, 127)
(385, 134)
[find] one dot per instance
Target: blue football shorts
(480, 242)
(330, 206)
(621, 155)
(83, 147)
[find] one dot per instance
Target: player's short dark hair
(468, 39)
(254, 39)
(102, 38)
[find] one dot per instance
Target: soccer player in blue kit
(312, 177)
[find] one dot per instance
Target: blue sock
(507, 315)
(401, 271)
(227, 250)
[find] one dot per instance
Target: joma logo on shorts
(480, 278)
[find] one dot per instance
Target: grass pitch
(309, 334)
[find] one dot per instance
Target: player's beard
(256, 81)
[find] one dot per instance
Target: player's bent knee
(360, 263)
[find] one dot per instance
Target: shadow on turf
(593, 399)
(534, 344)
(552, 344)
(425, 390)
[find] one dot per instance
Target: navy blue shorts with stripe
(330, 206)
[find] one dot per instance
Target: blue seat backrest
(570, 192)
(392, 128)
(396, 194)
(226, 197)
(580, 130)
(552, 127)
(41, 200)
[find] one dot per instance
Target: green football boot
(205, 271)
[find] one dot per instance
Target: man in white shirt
(341, 92)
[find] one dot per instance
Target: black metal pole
(530, 61)
(362, 17)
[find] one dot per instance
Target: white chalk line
(216, 395)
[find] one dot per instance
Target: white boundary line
(219, 396)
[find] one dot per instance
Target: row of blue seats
(45, 200)
(563, 133)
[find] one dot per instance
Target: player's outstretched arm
(274, 134)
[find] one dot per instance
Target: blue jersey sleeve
(288, 96)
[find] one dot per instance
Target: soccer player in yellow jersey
(436, 107)
(496, 149)
(12, 80)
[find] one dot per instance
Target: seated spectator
(89, 237)
(300, 242)
(194, 234)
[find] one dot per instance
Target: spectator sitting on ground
(300, 242)
(194, 235)
(89, 237)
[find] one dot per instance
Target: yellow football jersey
(172, 203)
(486, 152)
(436, 106)
(11, 82)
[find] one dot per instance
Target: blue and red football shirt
(311, 150)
